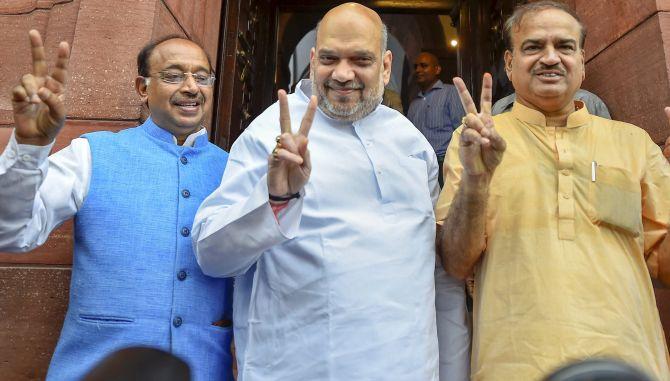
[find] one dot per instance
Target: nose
(189, 85)
(343, 72)
(550, 56)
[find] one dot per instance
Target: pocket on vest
(105, 319)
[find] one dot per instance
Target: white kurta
(344, 285)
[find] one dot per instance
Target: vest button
(177, 322)
(184, 160)
(185, 193)
(181, 275)
(185, 231)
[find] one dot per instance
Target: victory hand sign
(39, 112)
(481, 148)
(289, 165)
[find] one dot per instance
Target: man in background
(436, 111)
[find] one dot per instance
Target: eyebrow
(356, 53)
(541, 41)
(178, 66)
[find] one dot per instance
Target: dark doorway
(259, 38)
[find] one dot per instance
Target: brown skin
(426, 70)
(39, 111)
(347, 65)
(348, 51)
(169, 104)
(546, 65)
(480, 151)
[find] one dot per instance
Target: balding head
(426, 70)
(350, 64)
(354, 14)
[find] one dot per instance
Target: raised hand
(39, 112)
(289, 165)
(481, 148)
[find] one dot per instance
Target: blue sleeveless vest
(135, 280)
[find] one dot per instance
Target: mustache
(545, 68)
(181, 98)
(350, 85)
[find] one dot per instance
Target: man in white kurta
(338, 283)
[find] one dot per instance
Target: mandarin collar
(166, 136)
(578, 118)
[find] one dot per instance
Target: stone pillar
(627, 48)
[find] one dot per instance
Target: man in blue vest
(133, 194)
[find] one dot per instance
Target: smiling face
(348, 71)
(546, 65)
(426, 70)
(178, 108)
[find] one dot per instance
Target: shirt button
(185, 231)
(177, 322)
(183, 160)
(565, 172)
(181, 275)
(566, 196)
(11, 154)
(185, 193)
(25, 157)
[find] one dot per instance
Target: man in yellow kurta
(561, 215)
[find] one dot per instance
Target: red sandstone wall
(627, 49)
(105, 37)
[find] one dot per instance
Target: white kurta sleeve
(39, 193)
(236, 224)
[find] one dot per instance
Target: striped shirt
(437, 113)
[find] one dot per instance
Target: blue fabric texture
(135, 280)
(437, 113)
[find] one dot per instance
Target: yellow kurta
(564, 275)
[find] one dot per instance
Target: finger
(19, 95)
(288, 142)
(290, 157)
(472, 121)
(54, 85)
(304, 152)
(308, 118)
(284, 115)
(497, 142)
(62, 62)
(487, 94)
(470, 137)
(463, 93)
(37, 48)
(30, 84)
(56, 107)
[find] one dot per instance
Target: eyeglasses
(175, 78)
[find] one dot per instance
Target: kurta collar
(196, 139)
(578, 118)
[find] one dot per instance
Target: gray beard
(349, 113)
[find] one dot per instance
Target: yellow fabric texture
(564, 274)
